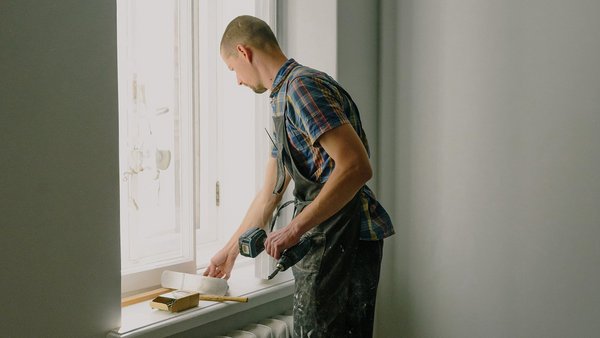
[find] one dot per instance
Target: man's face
(246, 74)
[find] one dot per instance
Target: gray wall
(59, 200)
(496, 171)
(357, 65)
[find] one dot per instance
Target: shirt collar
(282, 74)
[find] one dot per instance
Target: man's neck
(273, 64)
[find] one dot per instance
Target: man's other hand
(221, 264)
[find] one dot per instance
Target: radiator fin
(280, 326)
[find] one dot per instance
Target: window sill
(139, 319)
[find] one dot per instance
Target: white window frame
(208, 135)
(203, 165)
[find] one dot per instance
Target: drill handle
(294, 254)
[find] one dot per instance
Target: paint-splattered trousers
(336, 282)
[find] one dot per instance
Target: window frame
(203, 174)
(209, 172)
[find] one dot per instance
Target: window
(186, 175)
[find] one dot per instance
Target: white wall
(59, 200)
(497, 168)
(305, 33)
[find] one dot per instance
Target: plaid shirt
(314, 103)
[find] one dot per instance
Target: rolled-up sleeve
(318, 106)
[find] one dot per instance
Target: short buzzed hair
(248, 30)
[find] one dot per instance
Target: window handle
(218, 193)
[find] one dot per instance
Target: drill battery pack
(252, 242)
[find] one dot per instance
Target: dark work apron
(336, 282)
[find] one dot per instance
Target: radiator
(280, 326)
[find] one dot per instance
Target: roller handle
(214, 298)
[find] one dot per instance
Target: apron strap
(296, 203)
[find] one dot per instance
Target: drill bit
(277, 269)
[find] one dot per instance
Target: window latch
(218, 193)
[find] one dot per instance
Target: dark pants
(336, 282)
(363, 288)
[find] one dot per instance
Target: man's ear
(245, 52)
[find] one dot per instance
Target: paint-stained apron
(336, 282)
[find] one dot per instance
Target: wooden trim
(143, 296)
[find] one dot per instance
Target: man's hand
(281, 239)
(258, 213)
(222, 263)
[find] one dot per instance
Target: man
(320, 144)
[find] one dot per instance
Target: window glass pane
(155, 139)
(228, 133)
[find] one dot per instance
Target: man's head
(248, 31)
(244, 37)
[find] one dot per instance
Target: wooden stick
(143, 296)
(155, 293)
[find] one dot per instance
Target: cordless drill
(252, 243)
